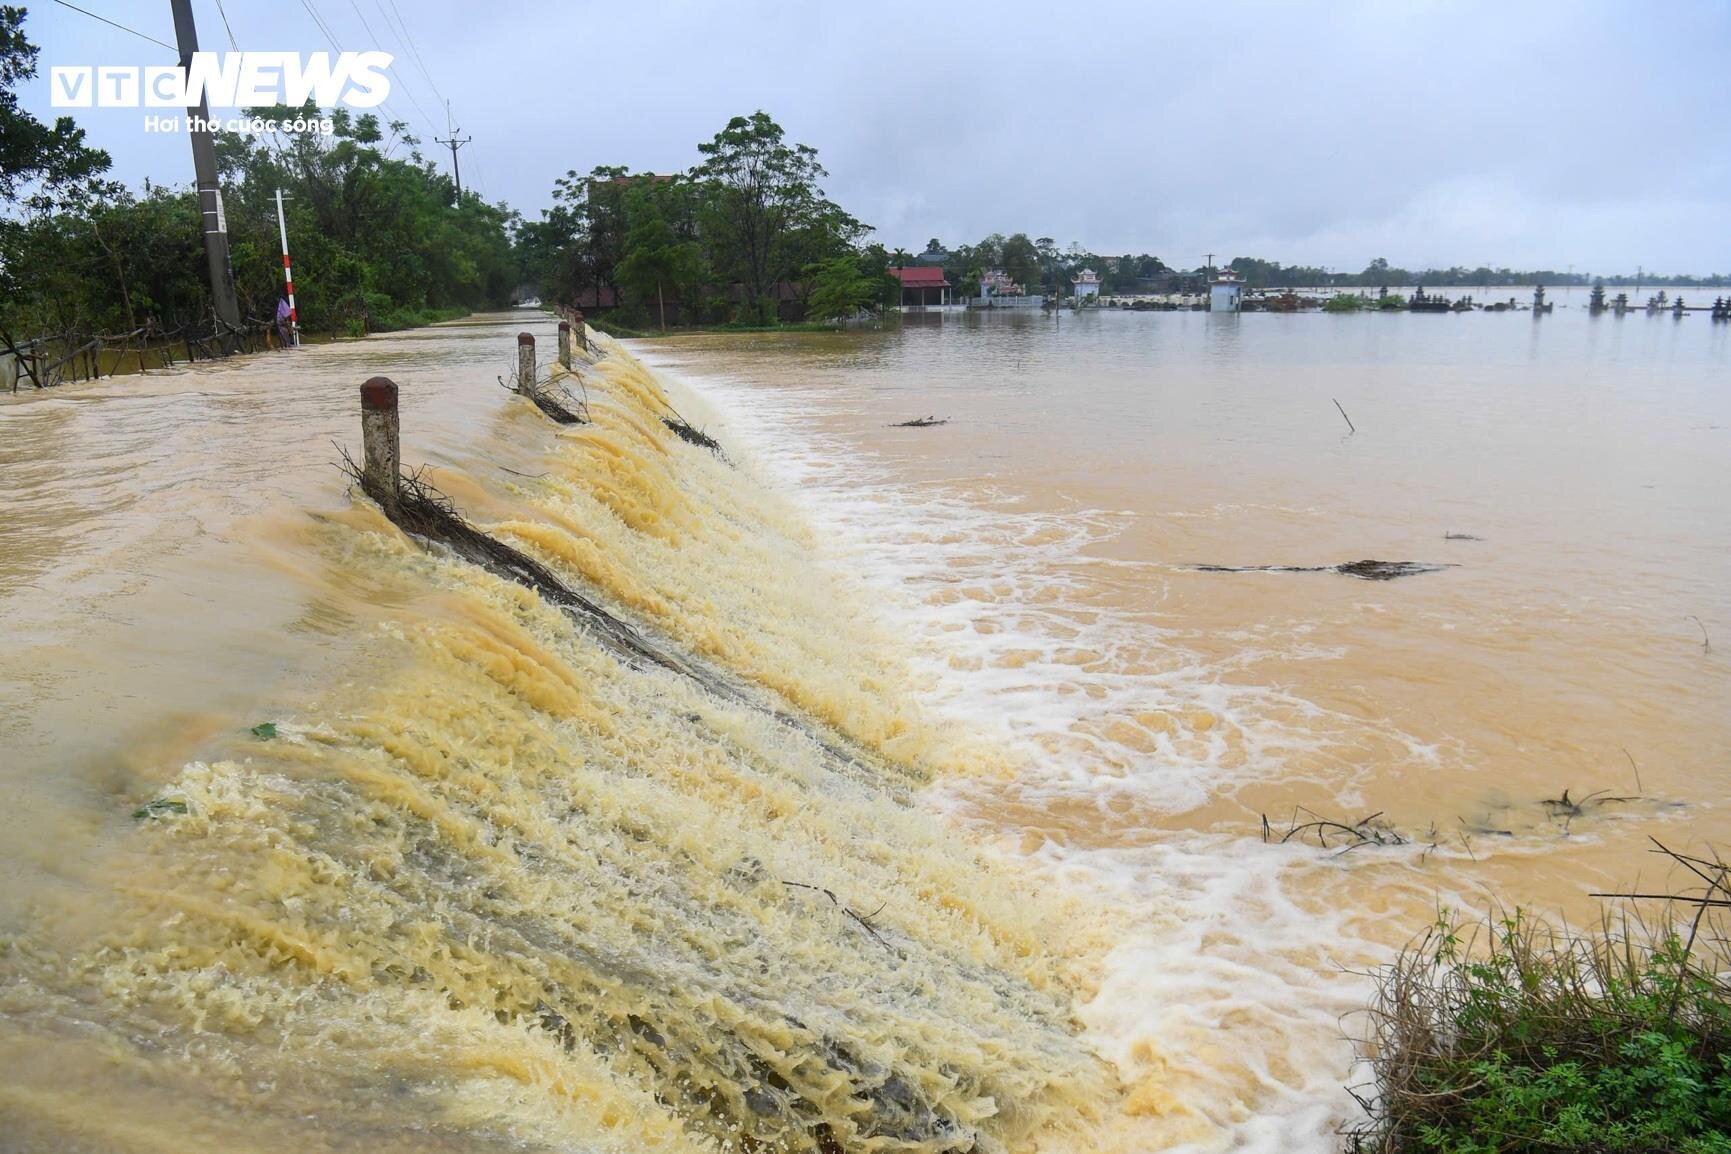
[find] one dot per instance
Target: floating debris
(161, 807)
(1366, 570)
(684, 431)
(554, 409)
(921, 423)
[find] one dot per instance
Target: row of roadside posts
(381, 429)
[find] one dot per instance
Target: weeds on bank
(1516, 1037)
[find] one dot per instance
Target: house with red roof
(923, 286)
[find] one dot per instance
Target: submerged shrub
(1518, 1036)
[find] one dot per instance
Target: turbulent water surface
(946, 830)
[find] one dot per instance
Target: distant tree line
(1039, 265)
(1271, 274)
(746, 235)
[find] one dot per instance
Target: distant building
(1087, 285)
(998, 291)
(922, 287)
(995, 282)
(1226, 292)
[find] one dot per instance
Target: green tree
(657, 260)
(596, 203)
(839, 289)
(378, 240)
(39, 162)
(1020, 258)
(760, 190)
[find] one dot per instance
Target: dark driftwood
(684, 430)
(1366, 570)
(921, 423)
(422, 511)
(555, 410)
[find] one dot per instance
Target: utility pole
(209, 192)
(454, 143)
(288, 276)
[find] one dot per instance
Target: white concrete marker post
(526, 364)
(380, 431)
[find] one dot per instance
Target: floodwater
(1571, 471)
(969, 854)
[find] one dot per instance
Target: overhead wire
(331, 38)
(117, 24)
(223, 12)
(407, 91)
(401, 30)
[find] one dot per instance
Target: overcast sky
(1527, 134)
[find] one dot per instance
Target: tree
(51, 159)
(657, 259)
(839, 289)
(1021, 260)
(376, 237)
(594, 208)
(760, 188)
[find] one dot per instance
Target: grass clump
(1519, 1037)
(1346, 303)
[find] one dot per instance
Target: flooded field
(318, 838)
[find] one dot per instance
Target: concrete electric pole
(209, 192)
(454, 143)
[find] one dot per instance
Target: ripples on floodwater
(1572, 469)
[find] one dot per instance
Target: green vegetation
(264, 730)
(1525, 1039)
(745, 237)
(1379, 273)
(161, 807)
(378, 233)
(1346, 303)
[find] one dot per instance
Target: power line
(401, 29)
(319, 22)
(407, 91)
(223, 12)
(113, 24)
(331, 39)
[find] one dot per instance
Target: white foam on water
(1221, 1001)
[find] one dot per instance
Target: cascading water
(490, 883)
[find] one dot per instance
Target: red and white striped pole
(288, 277)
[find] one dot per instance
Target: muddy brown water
(486, 885)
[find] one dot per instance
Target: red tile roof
(924, 276)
